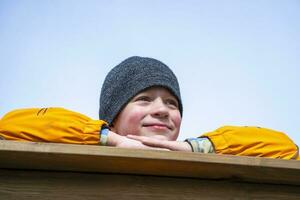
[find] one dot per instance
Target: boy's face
(153, 113)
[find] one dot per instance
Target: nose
(159, 109)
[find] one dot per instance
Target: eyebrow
(168, 96)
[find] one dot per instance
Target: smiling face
(153, 113)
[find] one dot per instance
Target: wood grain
(87, 158)
(20, 184)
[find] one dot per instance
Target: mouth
(158, 126)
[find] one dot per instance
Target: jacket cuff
(201, 145)
(104, 135)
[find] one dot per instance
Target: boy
(141, 107)
(141, 96)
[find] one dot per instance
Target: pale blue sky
(237, 61)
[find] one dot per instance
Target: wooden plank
(18, 184)
(86, 158)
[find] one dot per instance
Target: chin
(159, 137)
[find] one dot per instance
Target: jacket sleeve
(252, 141)
(50, 125)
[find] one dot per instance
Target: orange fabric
(252, 141)
(50, 125)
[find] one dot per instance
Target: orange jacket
(252, 141)
(50, 125)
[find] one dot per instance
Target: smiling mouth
(158, 126)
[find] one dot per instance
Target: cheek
(130, 122)
(134, 117)
(176, 118)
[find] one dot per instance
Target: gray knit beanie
(129, 78)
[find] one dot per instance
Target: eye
(143, 98)
(172, 103)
